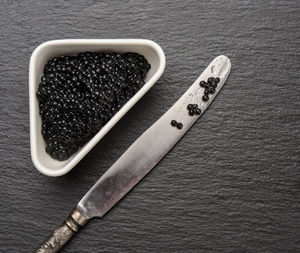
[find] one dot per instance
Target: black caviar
(203, 84)
(179, 125)
(209, 87)
(79, 94)
(174, 123)
(198, 111)
(205, 98)
(193, 109)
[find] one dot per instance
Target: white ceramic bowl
(149, 49)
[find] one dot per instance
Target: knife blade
(140, 157)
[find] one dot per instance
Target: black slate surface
(232, 184)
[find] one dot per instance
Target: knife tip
(223, 64)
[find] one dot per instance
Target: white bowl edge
(34, 120)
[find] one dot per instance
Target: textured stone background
(232, 184)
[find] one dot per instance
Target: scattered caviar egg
(190, 106)
(211, 90)
(203, 84)
(191, 112)
(214, 85)
(173, 123)
(179, 125)
(210, 80)
(198, 111)
(205, 98)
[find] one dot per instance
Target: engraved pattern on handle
(55, 241)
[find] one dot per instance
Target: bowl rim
(106, 128)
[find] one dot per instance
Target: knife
(142, 155)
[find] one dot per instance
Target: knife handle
(55, 241)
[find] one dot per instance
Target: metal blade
(151, 146)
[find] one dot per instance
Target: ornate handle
(55, 241)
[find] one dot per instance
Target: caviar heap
(209, 87)
(193, 109)
(79, 94)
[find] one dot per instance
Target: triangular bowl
(151, 51)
